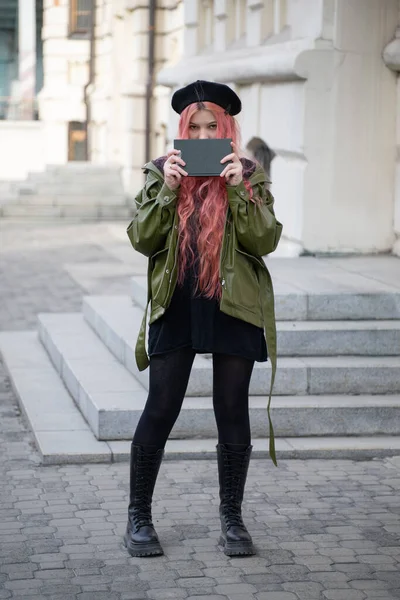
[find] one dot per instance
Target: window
(77, 134)
(80, 18)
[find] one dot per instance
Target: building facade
(317, 86)
(319, 81)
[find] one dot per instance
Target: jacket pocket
(245, 283)
(254, 260)
(159, 276)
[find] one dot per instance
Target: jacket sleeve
(155, 210)
(257, 229)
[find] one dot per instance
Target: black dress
(193, 321)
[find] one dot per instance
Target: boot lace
(231, 504)
(141, 511)
(232, 515)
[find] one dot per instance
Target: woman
(210, 292)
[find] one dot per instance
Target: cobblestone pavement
(323, 529)
(36, 260)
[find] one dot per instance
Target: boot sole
(150, 549)
(237, 548)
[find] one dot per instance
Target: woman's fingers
(173, 151)
(172, 169)
(234, 169)
(173, 166)
(224, 172)
(231, 169)
(232, 157)
(177, 169)
(174, 159)
(173, 180)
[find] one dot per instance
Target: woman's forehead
(203, 116)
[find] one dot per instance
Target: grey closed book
(203, 157)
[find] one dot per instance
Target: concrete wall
(116, 105)
(391, 56)
(349, 133)
(117, 130)
(65, 64)
(21, 149)
(315, 88)
(397, 175)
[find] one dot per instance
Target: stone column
(27, 57)
(349, 132)
(391, 56)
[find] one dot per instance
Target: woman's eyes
(194, 127)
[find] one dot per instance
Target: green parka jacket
(251, 231)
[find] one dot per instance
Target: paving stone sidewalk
(326, 530)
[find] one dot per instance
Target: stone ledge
(270, 62)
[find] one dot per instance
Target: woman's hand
(173, 173)
(233, 172)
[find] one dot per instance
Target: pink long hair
(213, 200)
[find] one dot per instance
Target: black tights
(169, 377)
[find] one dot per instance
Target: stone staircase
(76, 190)
(337, 391)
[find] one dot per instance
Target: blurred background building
(91, 80)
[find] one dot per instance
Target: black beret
(207, 91)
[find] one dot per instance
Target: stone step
(35, 200)
(83, 167)
(8, 192)
(6, 199)
(63, 437)
(67, 200)
(117, 322)
(7, 187)
(107, 395)
(321, 338)
(81, 211)
(333, 338)
(139, 290)
(31, 211)
(85, 177)
(100, 190)
(301, 448)
(61, 433)
(35, 178)
(26, 188)
(112, 400)
(339, 298)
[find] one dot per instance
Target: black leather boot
(140, 537)
(233, 465)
